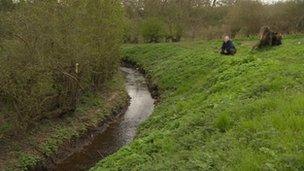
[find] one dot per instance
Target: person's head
(226, 38)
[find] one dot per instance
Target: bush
(53, 52)
(152, 30)
(130, 32)
(174, 33)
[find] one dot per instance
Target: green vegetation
(45, 139)
(219, 112)
(209, 19)
(152, 30)
(59, 77)
(59, 74)
(27, 161)
(52, 54)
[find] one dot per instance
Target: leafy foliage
(27, 161)
(152, 30)
(53, 52)
(6, 5)
(47, 137)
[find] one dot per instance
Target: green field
(244, 112)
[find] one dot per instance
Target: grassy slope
(22, 152)
(219, 113)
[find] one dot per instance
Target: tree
(53, 52)
(6, 5)
(213, 18)
(245, 17)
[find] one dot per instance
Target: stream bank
(119, 132)
(51, 139)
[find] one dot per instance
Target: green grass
(244, 112)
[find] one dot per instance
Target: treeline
(172, 20)
(52, 52)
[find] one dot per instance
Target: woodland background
(173, 20)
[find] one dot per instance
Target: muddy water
(118, 133)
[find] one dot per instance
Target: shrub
(152, 30)
(53, 52)
(174, 32)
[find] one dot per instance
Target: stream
(118, 133)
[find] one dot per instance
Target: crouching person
(268, 38)
(228, 47)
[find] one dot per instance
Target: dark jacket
(229, 47)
